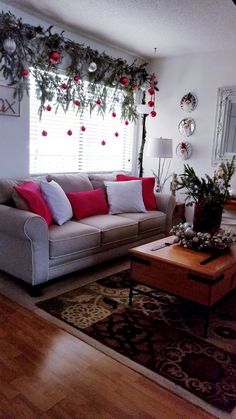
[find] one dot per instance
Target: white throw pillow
(57, 201)
(125, 196)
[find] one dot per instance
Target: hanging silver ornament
(9, 45)
(145, 86)
(92, 67)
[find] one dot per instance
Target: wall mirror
(224, 145)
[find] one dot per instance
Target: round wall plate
(184, 150)
(187, 127)
(188, 102)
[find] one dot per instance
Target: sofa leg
(35, 290)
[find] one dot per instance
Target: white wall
(14, 131)
(201, 74)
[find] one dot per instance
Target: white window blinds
(83, 150)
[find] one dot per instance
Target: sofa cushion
(73, 182)
(98, 180)
(72, 237)
(57, 201)
(148, 184)
(150, 221)
(113, 227)
(20, 202)
(88, 203)
(30, 191)
(125, 197)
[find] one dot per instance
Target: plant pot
(207, 218)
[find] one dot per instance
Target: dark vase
(207, 218)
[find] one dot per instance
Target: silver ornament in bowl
(92, 67)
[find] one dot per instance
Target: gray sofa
(34, 253)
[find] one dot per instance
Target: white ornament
(9, 45)
(145, 86)
(92, 67)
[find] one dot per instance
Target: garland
(26, 49)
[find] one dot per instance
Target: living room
(193, 52)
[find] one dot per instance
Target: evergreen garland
(33, 49)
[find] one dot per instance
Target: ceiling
(173, 27)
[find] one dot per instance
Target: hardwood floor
(47, 373)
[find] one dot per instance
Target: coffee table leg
(130, 293)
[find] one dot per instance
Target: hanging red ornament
(48, 108)
(151, 103)
(64, 86)
(24, 72)
(153, 114)
(44, 133)
(124, 81)
(116, 134)
(133, 87)
(126, 122)
(69, 132)
(98, 101)
(55, 57)
(151, 91)
(113, 114)
(77, 103)
(83, 128)
(76, 78)
(103, 142)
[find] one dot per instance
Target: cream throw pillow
(125, 196)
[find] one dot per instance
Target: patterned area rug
(162, 334)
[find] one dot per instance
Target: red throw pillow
(30, 191)
(147, 188)
(88, 203)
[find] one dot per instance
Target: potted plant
(208, 194)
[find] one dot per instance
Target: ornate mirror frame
(226, 97)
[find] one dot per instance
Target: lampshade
(160, 147)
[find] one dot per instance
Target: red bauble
(44, 133)
(116, 134)
(48, 108)
(77, 103)
(55, 57)
(124, 81)
(24, 72)
(133, 87)
(151, 91)
(153, 114)
(151, 103)
(82, 128)
(113, 114)
(69, 132)
(98, 101)
(76, 78)
(64, 86)
(126, 122)
(103, 142)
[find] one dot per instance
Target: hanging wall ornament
(187, 127)
(92, 67)
(9, 45)
(188, 102)
(184, 150)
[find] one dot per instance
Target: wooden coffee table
(187, 273)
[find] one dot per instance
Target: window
(83, 150)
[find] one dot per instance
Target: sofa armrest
(24, 245)
(166, 203)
